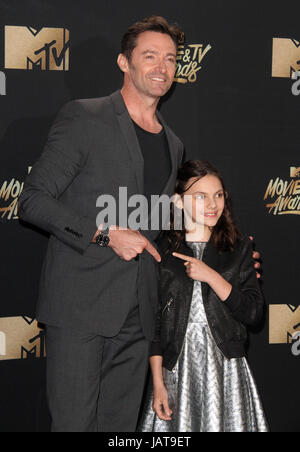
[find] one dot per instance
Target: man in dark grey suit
(98, 290)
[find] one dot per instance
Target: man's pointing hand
(128, 244)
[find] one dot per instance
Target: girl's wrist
(158, 382)
(210, 276)
(219, 285)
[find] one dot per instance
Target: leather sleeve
(155, 346)
(245, 301)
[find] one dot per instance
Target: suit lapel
(169, 187)
(130, 137)
(135, 153)
(133, 145)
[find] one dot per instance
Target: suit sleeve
(181, 154)
(245, 301)
(155, 346)
(63, 157)
(183, 160)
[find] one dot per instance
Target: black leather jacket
(226, 320)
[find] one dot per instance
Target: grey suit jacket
(92, 149)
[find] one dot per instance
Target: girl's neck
(199, 236)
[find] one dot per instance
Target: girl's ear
(177, 200)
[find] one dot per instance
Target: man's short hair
(153, 23)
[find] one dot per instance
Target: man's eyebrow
(155, 52)
(149, 51)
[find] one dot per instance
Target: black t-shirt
(157, 162)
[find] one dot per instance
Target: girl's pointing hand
(195, 269)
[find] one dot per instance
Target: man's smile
(158, 79)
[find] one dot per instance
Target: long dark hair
(225, 233)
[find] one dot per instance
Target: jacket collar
(133, 145)
(210, 258)
(130, 137)
(210, 255)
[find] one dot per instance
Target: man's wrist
(99, 231)
(102, 238)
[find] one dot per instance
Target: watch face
(102, 240)
(105, 240)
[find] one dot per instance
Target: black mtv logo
(48, 51)
(40, 48)
(296, 328)
(290, 337)
(33, 352)
(286, 54)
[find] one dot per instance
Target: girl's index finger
(183, 257)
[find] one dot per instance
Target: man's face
(153, 64)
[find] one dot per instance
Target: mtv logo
(284, 322)
(295, 172)
(286, 57)
(20, 338)
(46, 49)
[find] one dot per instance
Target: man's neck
(142, 109)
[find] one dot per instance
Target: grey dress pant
(95, 383)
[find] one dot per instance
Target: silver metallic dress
(207, 392)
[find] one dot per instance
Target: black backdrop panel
(234, 114)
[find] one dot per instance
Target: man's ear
(177, 200)
(122, 62)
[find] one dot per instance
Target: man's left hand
(257, 265)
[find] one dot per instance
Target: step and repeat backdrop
(235, 102)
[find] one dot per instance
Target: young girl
(201, 381)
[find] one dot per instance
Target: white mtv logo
(2, 344)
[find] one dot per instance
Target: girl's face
(206, 202)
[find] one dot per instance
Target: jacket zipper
(216, 344)
(173, 370)
(169, 302)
